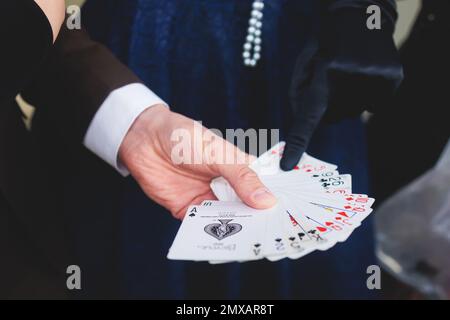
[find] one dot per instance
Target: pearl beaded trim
(252, 45)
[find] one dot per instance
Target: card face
(306, 232)
(345, 210)
(269, 163)
(275, 242)
(316, 210)
(220, 234)
(301, 236)
(323, 221)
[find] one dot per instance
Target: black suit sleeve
(26, 38)
(77, 77)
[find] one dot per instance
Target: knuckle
(246, 174)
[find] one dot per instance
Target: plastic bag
(413, 232)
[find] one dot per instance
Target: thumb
(248, 186)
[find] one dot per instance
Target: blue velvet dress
(190, 53)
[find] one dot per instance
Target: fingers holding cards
(316, 210)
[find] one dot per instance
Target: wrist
(147, 124)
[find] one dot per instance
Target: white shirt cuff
(113, 120)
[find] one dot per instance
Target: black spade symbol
(277, 239)
(312, 231)
(292, 238)
(315, 176)
(223, 229)
(257, 245)
(192, 215)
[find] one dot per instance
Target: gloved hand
(346, 70)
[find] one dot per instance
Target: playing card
(275, 242)
(302, 236)
(269, 162)
(316, 209)
(223, 233)
(323, 220)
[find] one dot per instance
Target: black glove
(347, 70)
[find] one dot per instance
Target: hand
(147, 152)
(347, 70)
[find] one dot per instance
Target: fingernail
(264, 197)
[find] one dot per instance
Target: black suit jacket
(68, 82)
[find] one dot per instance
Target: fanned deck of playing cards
(316, 209)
